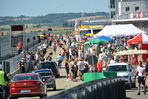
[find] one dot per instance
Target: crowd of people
(75, 57)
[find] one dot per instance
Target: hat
(0, 66)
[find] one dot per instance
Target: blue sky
(43, 7)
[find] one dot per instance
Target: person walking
(67, 54)
(59, 59)
(146, 71)
(141, 77)
(21, 65)
(54, 48)
(100, 65)
(80, 65)
(75, 69)
(50, 40)
(67, 70)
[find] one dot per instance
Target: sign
(49, 29)
(92, 60)
(17, 28)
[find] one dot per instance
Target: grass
(55, 30)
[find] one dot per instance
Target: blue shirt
(59, 58)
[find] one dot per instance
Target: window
(127, 9)
(136, 8)
(28, 40)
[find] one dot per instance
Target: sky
(44, 7)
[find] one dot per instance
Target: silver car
(48, 77)
(124, 70)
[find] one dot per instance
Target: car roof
(118, 64)
(47, 61)
(26, 74)
(38, 70)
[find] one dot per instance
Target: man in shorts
(141, 77)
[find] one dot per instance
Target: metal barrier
(11, 65)
(106, 88)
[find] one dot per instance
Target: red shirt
(99, 66)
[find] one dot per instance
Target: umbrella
(106, 38)
(96, 41)
(89, 34)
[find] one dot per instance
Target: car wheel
(13, 97)
(129, 86)
(134, 84)
(54, 88)
(42, 96)
(58, 75)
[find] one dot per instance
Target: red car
(27, 85)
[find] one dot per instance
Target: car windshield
(45, 74)
(117, 68)
(32, 77)
(47, 65)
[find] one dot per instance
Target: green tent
(97, 41)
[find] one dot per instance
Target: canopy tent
(96, 41)
(130, 52)
(119, 30)
(106, 38)
(139, 39)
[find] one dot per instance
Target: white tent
(119, 30)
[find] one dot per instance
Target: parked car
(124, 70)
(48, 77)
(50, 65)
(27, 85)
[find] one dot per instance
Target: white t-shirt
(44, 46)
(140, 71)
(80, 65)
(112, 61)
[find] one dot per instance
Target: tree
(65, 24)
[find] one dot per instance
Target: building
(124, 7)
(129, 12)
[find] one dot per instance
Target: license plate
(25, 91)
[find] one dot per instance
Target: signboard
(49, 29)
(92, 60)
(17, 28)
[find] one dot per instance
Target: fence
(107, 88)
(11, 65)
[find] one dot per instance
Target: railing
(107, 88)
(11, 65)
(131, 15)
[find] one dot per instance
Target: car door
(57, 67)
(131, 71)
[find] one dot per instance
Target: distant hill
(51, 18)
(86, 18)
